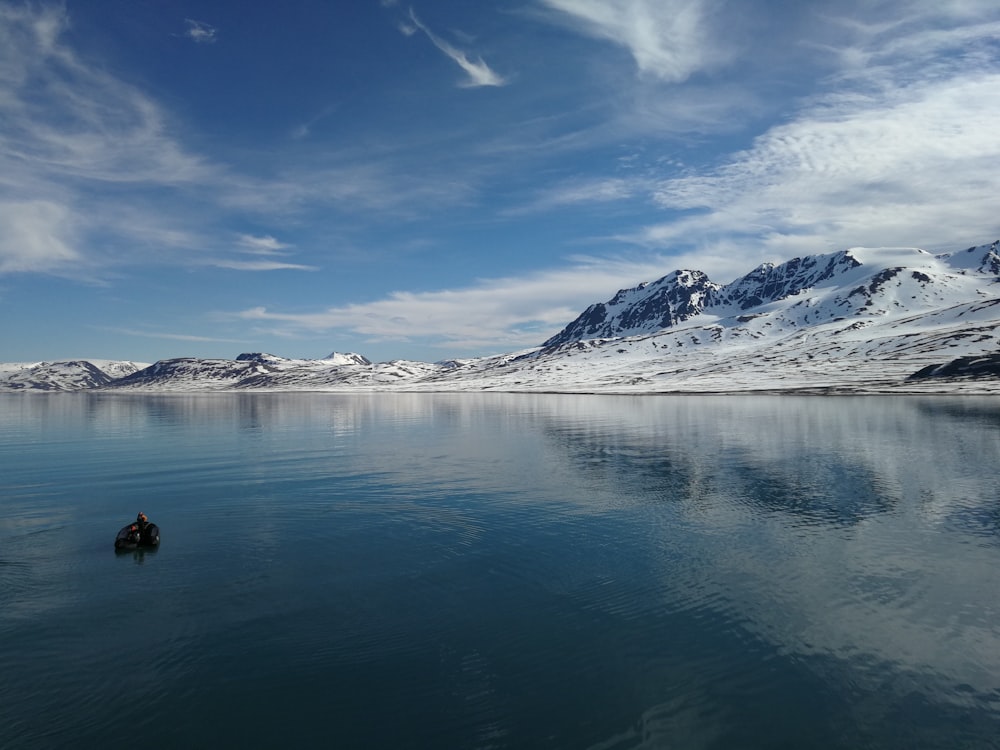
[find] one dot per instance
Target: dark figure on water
(142, 533)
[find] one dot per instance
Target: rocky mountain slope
(69, 375)
(859, 320)
(851, 282)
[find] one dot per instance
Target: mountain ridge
(684, 294)
(856, 320)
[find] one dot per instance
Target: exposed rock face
(769, 282)
(963, 367)
(660, 304)
(210, 372)
(260, 357)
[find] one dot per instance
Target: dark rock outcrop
(963, 367)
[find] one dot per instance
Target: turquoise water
(491, 571)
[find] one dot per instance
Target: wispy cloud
(63, 116)
(478, 72)
(304, 129)
(889, 159)
(259, 265)
(94, 175)
(266, 245)
(583, 191)
(73, 135)
(265, 248)
(502, 313)
(199, 31)
(171, 336)
(35, 236)
(668, 39)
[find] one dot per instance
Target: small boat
(139, 534)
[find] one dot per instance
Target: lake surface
(500, 571)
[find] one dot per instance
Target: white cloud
(899, 150)
(35, 236)
(199, 31)
(259, 265)
(72, 134)
(918, 168)
(105, 159)
(380, 183)
(668, 39)
(171, 336)
(479, 73)
(583, 191)
(497, 314)
(266, 245)
(592, 191)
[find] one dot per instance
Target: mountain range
(856, 321)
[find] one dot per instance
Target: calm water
(489, 571)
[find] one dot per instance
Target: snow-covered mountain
(856, 320)
(848, 283)
(859, 320)
(268, 371)
(69, 375)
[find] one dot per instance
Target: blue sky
(444, 179)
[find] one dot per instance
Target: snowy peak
(984, 259)
(990, 262)
(346, 358)
(117, 368)
(869, 281)
(769, 282)
(649, 306)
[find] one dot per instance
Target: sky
(444, 179)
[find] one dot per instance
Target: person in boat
(140, 533)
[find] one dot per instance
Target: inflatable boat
(132, 536)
